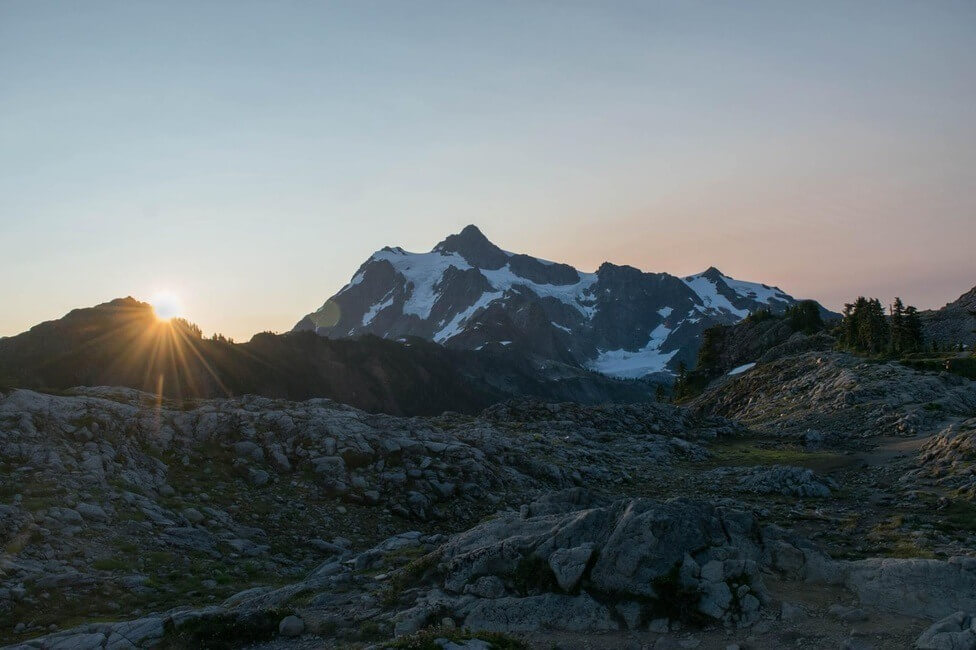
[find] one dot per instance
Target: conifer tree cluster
(865, 327)
(804, 316)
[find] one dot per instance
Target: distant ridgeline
(122, 343)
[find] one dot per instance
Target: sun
(167, 305)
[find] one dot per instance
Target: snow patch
(504, 279)
(377, 308)
(710, 297)
(629, 364)
(453, 328)
(707, 291)
(664, 312)
(422, 271)
(741, 369)
(756, 291)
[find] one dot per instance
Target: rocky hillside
(812, 501)
(122, 343)
(953, 324)
(112, 502)
(469, 293)
(838, 395)
(758, 339)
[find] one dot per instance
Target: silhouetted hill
(122, 343)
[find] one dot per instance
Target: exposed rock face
(107, 469)
(949, 459)
(922, 588)
(312, 524)
(469, 293)
(662, 556)
(953, 324)
(649, 565)
(914, 587)
(778, 479)
(954, 632)
(841, 395)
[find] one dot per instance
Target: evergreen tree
(898, 333)
(848, 327)
(709, 351)
(865, 327)
(913, 330)
(804, 316)
(661, 393)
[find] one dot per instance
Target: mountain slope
(953, 324)
(121, 343)
(469, 293)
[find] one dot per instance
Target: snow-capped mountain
(468, 292)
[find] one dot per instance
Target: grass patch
(958, 516)
(372, 631)
(408, 575)
(909, 548)
(748, 453)
(965, 367)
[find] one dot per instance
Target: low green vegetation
(964, 367)
(407, 576)
(957, 516)
(749, 453)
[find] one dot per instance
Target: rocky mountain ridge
(469, 293)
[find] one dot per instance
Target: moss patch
(750, 453)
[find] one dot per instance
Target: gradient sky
(250, 155)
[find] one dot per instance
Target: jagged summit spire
(472, 245)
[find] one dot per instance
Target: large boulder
(915, 587)
(955, 632)
(632, 549)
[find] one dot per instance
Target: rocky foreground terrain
(816, 500)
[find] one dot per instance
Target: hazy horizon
(248, 157)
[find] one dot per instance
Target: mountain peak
(468, 293)
(473, 246)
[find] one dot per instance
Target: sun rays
(167, 305)
(155, 348)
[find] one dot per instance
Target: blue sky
(249, 156)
